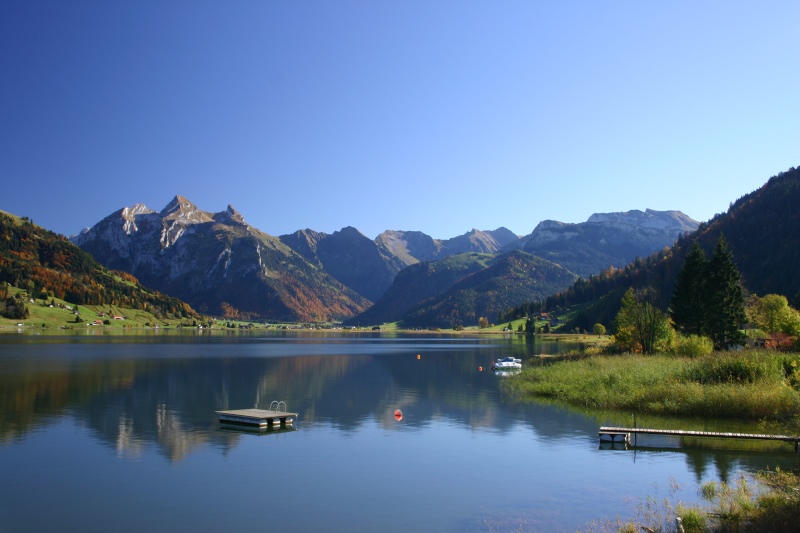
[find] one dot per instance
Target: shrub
(693, 346)
(782, 342)
(791, 371)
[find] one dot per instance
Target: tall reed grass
(755, 384)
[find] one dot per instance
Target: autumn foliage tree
(640, 325)
(772, 314)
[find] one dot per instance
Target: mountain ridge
(221, 265)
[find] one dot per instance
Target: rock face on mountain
(414, 246)
(217, 262)
(350, 257)
(606, 239)
(409, 246)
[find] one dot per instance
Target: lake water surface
(119, 433)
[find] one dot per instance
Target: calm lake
(119, 433)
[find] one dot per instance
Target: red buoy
(480, 369)
(398, 415)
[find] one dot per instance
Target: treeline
(604, 291)
(762, 230)
(47, 265)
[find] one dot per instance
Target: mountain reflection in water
(142, 397)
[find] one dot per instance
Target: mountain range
(223, 266)
(217, 260)
(762, 230)
(601, 241)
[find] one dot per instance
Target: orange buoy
(398, 415)
(418, 356)
(480, 369)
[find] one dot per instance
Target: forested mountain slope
(47, 265)
(457, 291)
(510, 278)
(762, 229)
(419, 282)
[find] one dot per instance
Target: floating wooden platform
(609, 434)
(256, 417)
(257, 430)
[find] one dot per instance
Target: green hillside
(505, 281)
(48, 269)
(420, 282)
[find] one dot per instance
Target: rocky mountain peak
(182, 210)
(230, 215)
(650, 218)
(606, 238)
(129, 213)
(351, 233)
(549, 224)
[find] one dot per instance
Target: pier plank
(690, 433)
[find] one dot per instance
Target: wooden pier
(611, 434)
(256, 417)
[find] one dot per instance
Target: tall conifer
(725, 298)
(687, 305)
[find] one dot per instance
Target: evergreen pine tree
(687, 305)
(530, 326)
(725, 298)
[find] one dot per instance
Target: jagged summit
(176, 204)
(350, 232)
(413, 246)
(182, 210)
(136, 209)
(230, 215)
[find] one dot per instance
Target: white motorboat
(507, 363)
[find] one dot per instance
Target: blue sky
(437, 116)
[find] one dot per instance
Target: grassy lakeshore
(753, 384)
(758, 385)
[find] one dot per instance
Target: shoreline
(136, 328)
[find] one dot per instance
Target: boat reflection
(507, 373)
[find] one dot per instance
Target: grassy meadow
(62, 316)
